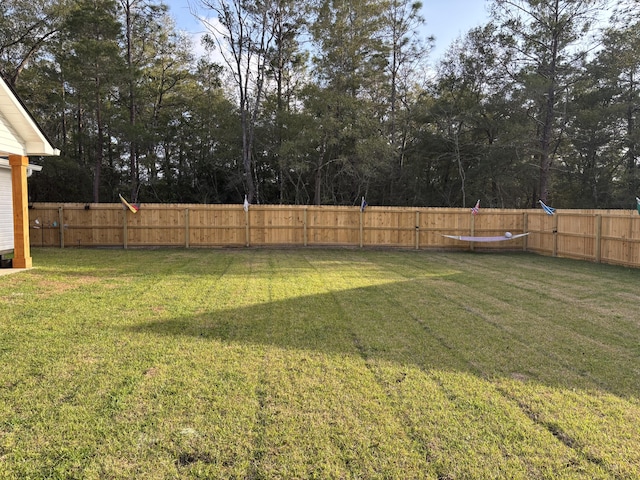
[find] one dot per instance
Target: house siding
(6, 207)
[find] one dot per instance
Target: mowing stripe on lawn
(494, 449)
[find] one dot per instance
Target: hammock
(500, 238)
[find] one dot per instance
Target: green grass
(318, 364)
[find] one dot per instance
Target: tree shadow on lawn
(380, 323)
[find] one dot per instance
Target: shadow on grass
(380, 323)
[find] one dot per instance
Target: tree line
(328, 101)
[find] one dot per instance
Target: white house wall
(6, 207)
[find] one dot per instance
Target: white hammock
(501, 238)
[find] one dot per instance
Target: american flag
(476, 209)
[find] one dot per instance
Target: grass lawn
(266, 364)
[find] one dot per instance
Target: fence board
(333, 226)
(393, 227)
(274, 225)
(576, 235)
(608, 236)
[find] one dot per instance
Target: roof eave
(41, 149)
(37, 143)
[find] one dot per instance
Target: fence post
(417, 229)
(246, 227)
(186, 227)
(473, 231)
(525, 227)
(630, 239)
(555, 234)
(61, 225)
(598, 238)
(361, 227)
(125, 241)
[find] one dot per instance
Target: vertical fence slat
(187, 233)
(61, 225)
(304, 226)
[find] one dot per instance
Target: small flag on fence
(246, 204)
(638, 204)
(363, 204)
(133, 208)
(475, 210)
(547, 209)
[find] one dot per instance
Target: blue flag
(638, 204)
(547, 209)
(363, 204)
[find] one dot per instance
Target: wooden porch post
(21, 247)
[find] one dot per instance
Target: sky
(445, 19)
(449, 19)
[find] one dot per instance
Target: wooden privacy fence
(607, 236)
